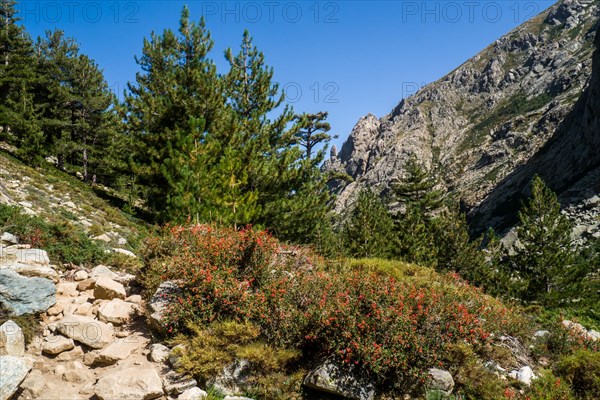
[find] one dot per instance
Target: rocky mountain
(527, 104)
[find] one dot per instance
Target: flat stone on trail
(133, 383)
(56, 344)
(117, 351)
(116, 311)
(102, 271)
(88, 331)
(107, 289)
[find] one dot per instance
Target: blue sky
(345, 57)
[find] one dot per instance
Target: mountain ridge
(487, 119)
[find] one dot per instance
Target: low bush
(64, 241)
(582, 371)
(548, 387)
(385, 319)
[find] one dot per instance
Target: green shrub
(395, 323)
(64, 241)
(582, 371)
(549, 387)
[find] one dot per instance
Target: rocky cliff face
(527, 104)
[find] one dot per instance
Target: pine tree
(311, 131)
(176, 112)
(543, 259)
(368, 232)
(455, 249)
(19, 114)
(419, 198)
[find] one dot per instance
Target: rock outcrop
(527, 104)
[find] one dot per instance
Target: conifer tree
(312, 130)
(418, 189)
(19, 113)
(544, 257)
(368, 232)
(176, 112)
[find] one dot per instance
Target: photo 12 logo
(79, 11)
(316, 92)
(468, 11)
(271, 11)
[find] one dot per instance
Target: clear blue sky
(345, 57)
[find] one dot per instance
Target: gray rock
(341, 380)
(12, 340)
(14, 371)
(9, 238)
(124, 252)
(159, 353)
(541, 334)
(133, 383)
(35, 270)
(441, 380)
(102, 271)
(158, 303)
(175, 383)
(23, 295)
(32, 256)
(524, 375)
(233, 378)
(193, 394)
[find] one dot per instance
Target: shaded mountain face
(527, 104)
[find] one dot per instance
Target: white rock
(9, 238)
(12, 340)
(14, 370)
(593, 335)
(67, 289)
(108, 289)
(33, 386)
(81, 275)
(32, 256)
(159, 353)
(103, 238)
(524, 374)
(129, 384)
(116, 311)
(193, 394)
(102, 271)
(124, 252)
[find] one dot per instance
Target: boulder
(55, 310)
(14, 371)
(12, 340)
(107, 289)
(85, 330)
(134, 299)
(117, 351)
(157, 305)
(85, 309)
(159, 353)
(56, 344)
(341, 380)
(233, 377)
(67, 289)
(41, 271)
(129, 384)
(23, 295)
(175, 383)
(77, 373)
(75, 354)
(102, 271)
(81, 275)
(193, 394)
(9, 238)
(441, 380)
(116, 311)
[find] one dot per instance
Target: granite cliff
(527, 104)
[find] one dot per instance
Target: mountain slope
(524, 105)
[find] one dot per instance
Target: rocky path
(95, 343)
